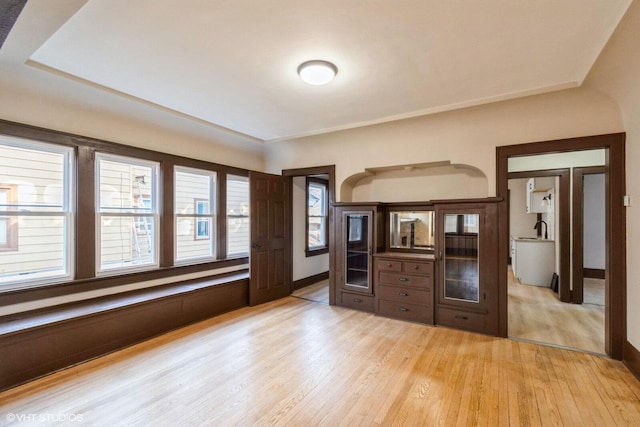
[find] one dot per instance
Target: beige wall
(466, 136)
(616, 74)
(416, 184)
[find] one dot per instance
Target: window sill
(314, 252)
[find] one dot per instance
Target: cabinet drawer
(405, 295)
(359, 302)
(422, 268)
(461, 319)
(383, 264)
(415, 313)
(405, 280)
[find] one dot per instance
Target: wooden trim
(108, 324)
(631, 359)
(221, 223)
(329, 170)
(85, 254)
(91, 284)
(301, 283)
(578, 227)
(73, 140)
(564, 232)
(615, 287)
(593, 273)
(167, 218)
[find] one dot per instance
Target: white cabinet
(534, 261)
(535, 194)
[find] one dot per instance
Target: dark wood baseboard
(631, 358)
(593, 273)
(297, 284)
(45, 342)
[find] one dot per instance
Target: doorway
(312, 234)
(615, 224)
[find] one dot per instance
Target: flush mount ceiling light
(317, 72)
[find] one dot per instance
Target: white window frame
(211, 216)
(67, 212)
(155, 203)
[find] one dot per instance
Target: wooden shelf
(362, 270)
(466, 257)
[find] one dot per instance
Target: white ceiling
(232, 63)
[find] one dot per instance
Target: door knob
(255, 246)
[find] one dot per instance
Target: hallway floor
(317, 292)
(536, 314)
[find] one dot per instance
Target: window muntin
(127, 213)
(317, 216)
(36, 216)
(195, 214)
(237, 215)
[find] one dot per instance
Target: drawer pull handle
(402, 294)
(357, 300)
(416, 267)
(389, 265)
(403, 309)
(403, 279)
(461, 317)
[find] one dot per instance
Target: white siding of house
(237, 204)
(191, 187)
(38, 178)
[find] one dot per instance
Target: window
(8, 224)
(317, 212)
(237, 215)
(127, 213)
(195, 215)
(36, 218)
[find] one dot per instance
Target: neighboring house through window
(195, 195)
(8, 224)
(317, 208)
(127, 208)
(237, 215)
(36, 213)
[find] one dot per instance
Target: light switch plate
(627, 200)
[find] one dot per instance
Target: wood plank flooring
(299, 363)
(318, 292)
(536, 314)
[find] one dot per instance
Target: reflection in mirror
(412, 230)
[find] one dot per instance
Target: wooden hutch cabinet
(467, 253)
(430, 262)
(359, 234)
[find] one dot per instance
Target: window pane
(188, 244)
(195, 236)
(42, 252)
(237, 215)
(126, 241)
(193, 192)
(4, 231)
(37, 176)
(126, 187)
(317, 200)
(317, 234)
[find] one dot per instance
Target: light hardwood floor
(536, 314)
(317, 292)
(298, 363)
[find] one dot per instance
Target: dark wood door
(270, 237)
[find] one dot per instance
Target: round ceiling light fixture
(317, 72)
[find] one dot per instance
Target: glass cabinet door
(358, 250)
(461, 256)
